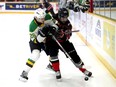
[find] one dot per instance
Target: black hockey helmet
(63, 12)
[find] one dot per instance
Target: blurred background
(106, 8)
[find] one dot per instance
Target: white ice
(14, 52)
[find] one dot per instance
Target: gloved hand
(84, 9)
(60, 34)
(76, 9)
(54, 30)
(48, 30)
(70, 5)
(48, 6)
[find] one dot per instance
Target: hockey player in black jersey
(61, 34)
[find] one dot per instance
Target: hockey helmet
(63, 14)
(39, 15)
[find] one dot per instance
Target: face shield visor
(63, 19)
(41, 20)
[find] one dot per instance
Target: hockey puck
(86, 78)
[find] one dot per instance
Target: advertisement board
(2, 6)
(109, 39)
(100, 34)
(21, 6)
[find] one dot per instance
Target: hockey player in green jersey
(41, 19)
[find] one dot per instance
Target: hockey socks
(86, 72)
(55, 66)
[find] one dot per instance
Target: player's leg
(35, 54)
(56, 66)
(49, 66)
(54, 61)
(68, 46)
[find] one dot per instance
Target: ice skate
(49, 67)
(87, 73)
(58, 75)
(23, 76)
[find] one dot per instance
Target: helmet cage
(40, 15)
(63, 12)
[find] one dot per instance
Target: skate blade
(22, 79)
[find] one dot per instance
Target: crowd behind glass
(105, 8)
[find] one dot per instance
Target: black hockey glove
(53, 30)
(44, 31)
(70, 5)
(76, 9)
(48, 30)
(84, 9)
(49, 7)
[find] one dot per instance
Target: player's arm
(33, 28)
(46, 31)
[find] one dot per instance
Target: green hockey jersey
(35, 26)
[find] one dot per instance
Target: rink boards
(99, 33)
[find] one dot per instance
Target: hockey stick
(63, 49)
(71, 31)
(86, 77)
(75, 31)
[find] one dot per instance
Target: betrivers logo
(1, 6)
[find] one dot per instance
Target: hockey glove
(70, 5)
(42, 34)
(60, 34)
(76, 9)
(53, 30)
(49, 7)
(48, 30)
(68, 33)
